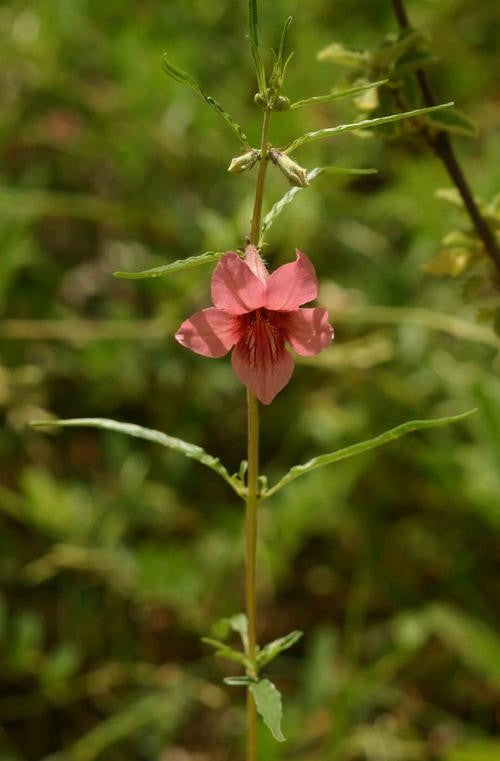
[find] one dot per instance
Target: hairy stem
(253, 476)
(443, 148)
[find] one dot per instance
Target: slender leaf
(157, 437)
(238, 681)
(186, 79)
(254, 44)
(272, 649)
(453, 121)
(363, 124)
(224, 651)
(169, 269)
(336, 95)
(284, 34)
(268, 704)
(363, 446)
(290, 195)
(239, 624)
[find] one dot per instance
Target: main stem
(253, 475)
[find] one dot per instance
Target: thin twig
(443, 148)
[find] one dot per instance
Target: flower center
(262, 338)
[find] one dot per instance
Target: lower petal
(210, 332)
(266, 377)
(308, 330)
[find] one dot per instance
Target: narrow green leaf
(224, 651)
(272, 649)
(237, 681)
(268, 704)
(157, 437)
(363, 446)
(186, 79)
(239, 624)
(290, 195)
(209, 257)
(453, 121)
(364, 124)
(281, 49)
(254, 44)
(336, 95)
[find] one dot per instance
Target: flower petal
(292, 285)
(308, 330)
(260, 359)
(256, 263)
(210, 332)
(235, 288)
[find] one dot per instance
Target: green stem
(253, 477)
(261, 179)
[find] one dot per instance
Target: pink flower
(256, 314)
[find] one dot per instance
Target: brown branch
(443, 148)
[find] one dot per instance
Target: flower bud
(282, 103)
(260, 99)
(295, 173)
(245, 161)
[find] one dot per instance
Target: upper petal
(292, 285)
(254, 260)
(308, 330)
(210, 332)
(260, 359)
(235, 288)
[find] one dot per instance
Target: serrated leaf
(272, 649)
(363, 124)
(336, 95)
(209, 257)
(337, 53)
(253, 27)
(453, 121)
(192, 451)
(363, 446)
(224, 651)
(186, 79)
(268, 703)
(290, 195)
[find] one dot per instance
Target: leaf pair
(195, 452)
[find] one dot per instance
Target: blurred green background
(116, 557)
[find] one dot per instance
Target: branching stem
(443, 148)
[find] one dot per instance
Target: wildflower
(256, 314)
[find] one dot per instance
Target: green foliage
(268, 703)
(363, 446)
(209, 257)
(157, 437)
(181, 76)
(362, 124)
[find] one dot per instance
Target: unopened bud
(282, 103)
(295, 173)
(260, 99)
(245, 161)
